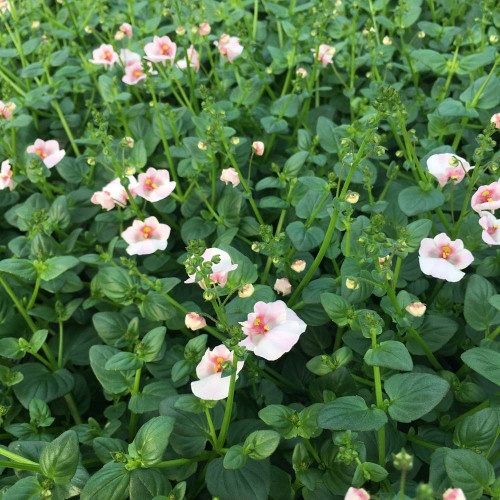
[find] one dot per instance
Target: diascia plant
(248, 249)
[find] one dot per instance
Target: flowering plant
(249, 250)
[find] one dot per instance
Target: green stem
(15, 457)
(183, 461)
(20, 466)
(134, 416)
(61, 345)
(31, 303)
(255, 19)
(73, 409)
(380, 405)
(479, 407)
(331, 227)
(213, 435)
(229, 406)
(312, 451)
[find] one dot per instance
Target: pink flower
(298, 266)
(448, 166)
(486, 197)
(442, 258)
(127, 29)
(48, 151)
(6, 176)
(229, 46)
(302, 72)
(192, 57)
(4, 6)
(212, 386)
(194, 321)
(325, 54)
(496, 120)
(220, 270)
(154, 185)
(229, 175)
(106, 55)
(258, 148)
(127, 57)
(6, 109)
(145, 237)
(161, 49)
(454, 494)
(356, 494)
(205, 29)
(271, 330)
(133, 74)
(490, 225)
(283, 286)
(114, 193)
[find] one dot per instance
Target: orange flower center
(41, 154)
(446, 251)
(146, 230)
(137, 73)
(258, 322)
(107, 55)
(150, 184)
(218, 365)
(164, 49)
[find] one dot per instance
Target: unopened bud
(298, 266)
(403, 460)
(246, 291)
(416, 309)
(194, 321)
(351, 284)
(352, 197)
(180, 30)
(202, 145)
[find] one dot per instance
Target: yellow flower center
(258, 322)
(218, 364)
(150, 184)
(107, 55)
(446, 251)
(486, 194)
(145, 231)
(41, 154)
(164, 49)
(137, 73)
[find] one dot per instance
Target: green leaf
(59, 459)
(490, 96)
(337, 308)
(40, 383)
(328, 138)
(280, 418)
(469, 471)
(55, 266)
(115, 382)
(261, 444)
(351, 413)
(109, 483)
(9, 347)
(413, 200)
(122, 361)
(390, 354)
(151, 441)
(116, 284)
(235, 458)
(19, 267)
(148, 483)
(112, 327)
(294, 164)
(413, 395)
(38, 339)
(484, 361)
(415, 232)
(304, 239)
(251, 482)
(26, 488)
(473, 62)
(432, 59)
(152, 343)
(477, 431)
(477, 310)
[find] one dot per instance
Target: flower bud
(283, 286)
(351, 284)
(403, 460)
(235, 141)
(205, 29)
(356, 494)
(130, 171)
(387, 40)
(298, 266)
(208, 295)
(255, 247)
(258, 148)
(202, 145)
(421, 34)
(119, 35)
(246, 291)
(35, 25)
(302, 73)
(88, 29)
(493, 38)
(194, 321)
(454, 494)
(180, 30)
(352, 197)
(416, 309)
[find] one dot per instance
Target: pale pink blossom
(325, 54)
(4, 6)
(6, 176)
(127, 29)
(211, 384)
(205, 29)
(192, 57)
(6, 109)
(154, 185)
(298, 266)
(283, 286)
(454, 494)
(114, 193)
(496, 120)
(447, 166)
(128, 57)
(47, 151)
(271, 330)
(194, 321)
(161, 49)
(416, 309)
(146, 237)
(229, 175)
(246, 291)
(258, 148)
(356, 494)
(490, 225)
(106, 55)
(219, 271)
(302, 72)
(229, 46)
(443, 258)
(486, 197)
(134, 73)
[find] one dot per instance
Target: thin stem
(312, 451)
(380, 405)
(213, 435)
(206, 455)
(15, 457)
(20, 466)
(229, 406)
(31, 303)
(61, 345)
(134, 416)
